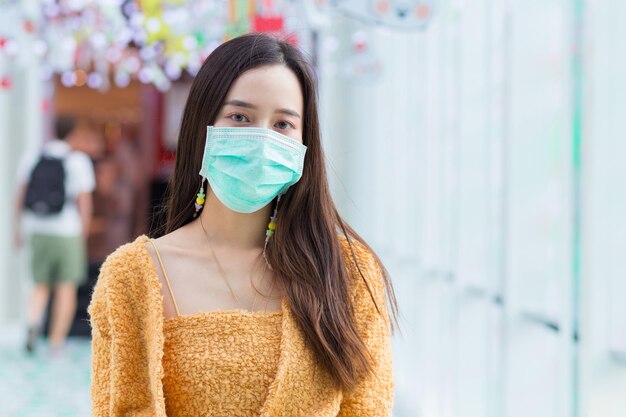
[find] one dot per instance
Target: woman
(259, 300)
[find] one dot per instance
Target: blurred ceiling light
(145, 75)
(68, 78)
(122, 79)
(153, 25)
(95, 80)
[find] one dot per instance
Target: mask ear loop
(271, 227)
(200, 198)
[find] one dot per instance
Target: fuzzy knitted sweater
(128, 348)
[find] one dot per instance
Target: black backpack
(45, 193)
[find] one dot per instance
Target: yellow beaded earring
(271, 228)
(200, 198)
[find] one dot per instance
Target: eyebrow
(246, 105)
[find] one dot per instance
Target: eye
(238, 117)
(284, 125)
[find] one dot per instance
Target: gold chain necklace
(223, 275)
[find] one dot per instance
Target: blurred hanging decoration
(270, 17)
(240, 13)
(8, 46)
(362, 64)
(6, 83)
(177, 35)
(394, 14)
(400, 14)
(16, 27)
(99, 43)
(29, 26)
(82, 39)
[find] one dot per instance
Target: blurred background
(476, 144)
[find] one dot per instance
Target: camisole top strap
(167, 281)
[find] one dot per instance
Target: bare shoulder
(171, 255)
(165, 249)
(170, 245)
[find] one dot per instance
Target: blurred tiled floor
(41, 385)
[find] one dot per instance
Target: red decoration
(292, 38)
(382, 7)
(3, 42)
(275, 25)
(5, 83)
(422, 11)
(268, 24)
(29, 26)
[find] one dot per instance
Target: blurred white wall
(371, 130)
(21, 130)
(484, 166)
(603, 373)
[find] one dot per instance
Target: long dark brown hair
(305, 251)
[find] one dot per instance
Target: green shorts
(58, 259)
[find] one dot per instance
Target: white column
(21, 129)
(6, 190)
(374, 130)
(603, 335)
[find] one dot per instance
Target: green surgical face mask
(247, 167)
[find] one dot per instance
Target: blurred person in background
(258, 299)
(53, 209)
(118, 179)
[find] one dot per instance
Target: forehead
(268, 86)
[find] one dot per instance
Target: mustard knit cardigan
(127, 328)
